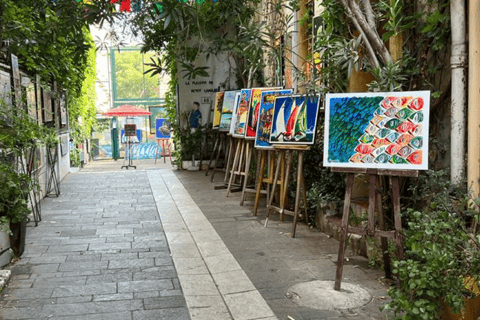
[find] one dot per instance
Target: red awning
(127, 111)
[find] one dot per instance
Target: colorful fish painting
(294, 119)
(382, 130)
(265, 116)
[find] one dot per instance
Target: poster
(162, 129)
(377, 130)
(63, 109)
(217, 112)
(227, 109)
(253, 111)
(242, 113)
(157, 113)
(16, 81)
(47, 106)
(265, 116)
(295, 120)
(5, 88)
(31, 98)
(237, 101)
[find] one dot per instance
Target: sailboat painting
(377, 130)
(227, 110)
(265, 116)
(295, 120)
(242, 113)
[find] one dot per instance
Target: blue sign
(135, 139)
(162, 129)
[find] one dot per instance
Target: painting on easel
(234, 112)
(242, 113)
(227, 110)
(252, 116)
(377, 130)
(295, 120)
(265, 116)
(217, 113)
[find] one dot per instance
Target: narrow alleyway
(159, 244)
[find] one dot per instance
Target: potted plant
(439, 274)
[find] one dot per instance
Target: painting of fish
(265, 116)
(295, 119)
(381, 130)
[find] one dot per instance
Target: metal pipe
(474, 97)
(459, 94)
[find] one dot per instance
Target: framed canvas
(265, 116)
(39, 100)
(162, 129)
(380, 130)
(242, 113)
(47, 106)
(295, 119)
(227, 110)
(252, 116)
(237, 101)
(31, 100)
(217, 112)
(63, 109)
(5, 88)
(157, 113)
(16, 81)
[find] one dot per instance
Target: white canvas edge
(424, 166)
(258, 122)
(316, 119)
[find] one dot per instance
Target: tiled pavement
(101, 252)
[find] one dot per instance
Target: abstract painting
(234, 112)
(295, 120)
(242, 113)
(217, 113)
(227, 110)
(377, 130)
(252, 116)
(265, 116)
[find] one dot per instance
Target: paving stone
(82, 290)
(109, 246)
(114, 277)
(146, 294)
(102, 316)
(170, 314)
(207, 307)
(68, 248)
(83, 265)
(91, 308)
(133, 263)
(144, 285)
(164, 302)
(74, 299)
(113, 297)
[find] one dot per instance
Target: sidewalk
(103, 251)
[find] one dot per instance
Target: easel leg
(285, 180)
(163, 152)
(231, 147)
(156, 151)
(343, 235)
(397, 217)
(297, 194)
(384, 241)
(371, 205)
(219, 151)
(247, 169)
(274, 186)
(261, 170)
(213, 153)
(234, 166)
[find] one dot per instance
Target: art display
(63, 109)
(217, 112)
(31, 100)
(234, 119)
(5, 88)
(252, 116)
(162, 129)
(295, 119)
(242, 113)
(157, 113)
(377, 130)
(227, 110)
(16, 81)
(265, 116)
(47, 106)
(39, 100)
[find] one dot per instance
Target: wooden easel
(245, 188)
(163, 145)
(373, 200)
(243, 156)
(231, 150)
(266, 157)
(221, 145)
(286, 155)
